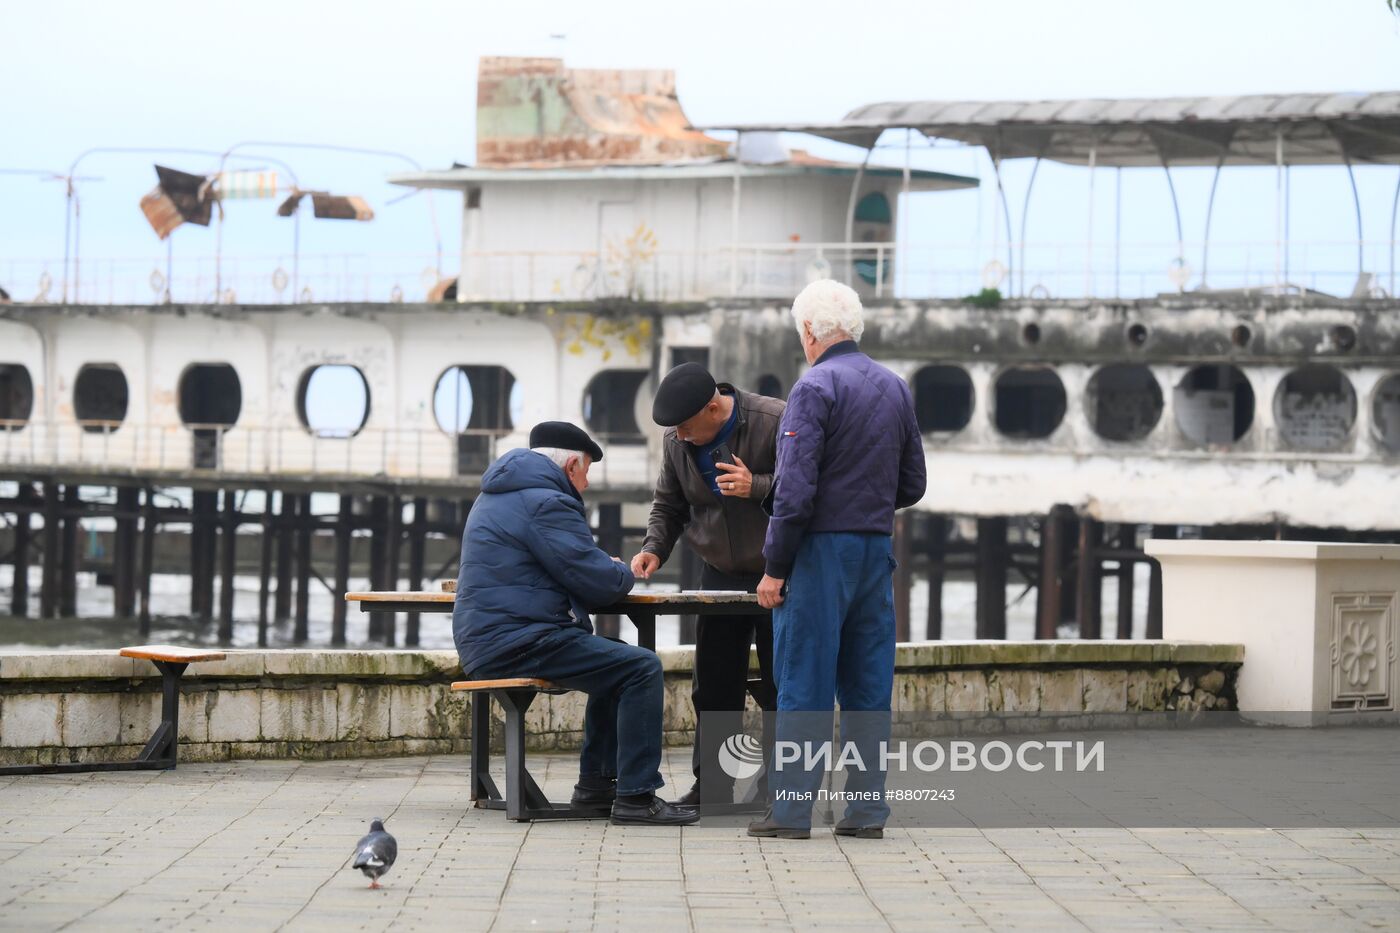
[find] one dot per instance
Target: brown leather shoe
(859, 832)
(767, 829)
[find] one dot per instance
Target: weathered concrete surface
(1171, 474)
(97, 706)
(400, 351)
(1175, 329)
(1168, 475)
(265, 845)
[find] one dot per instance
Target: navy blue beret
(685, 390)
(565, 436)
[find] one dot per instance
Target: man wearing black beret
(530, 576)
(717, 462)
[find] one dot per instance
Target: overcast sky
(401, 76)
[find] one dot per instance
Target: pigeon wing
(377, 850)
(365, 853)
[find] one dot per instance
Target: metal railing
(752, 270)
(289, 451)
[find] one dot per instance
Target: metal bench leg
(160, 752)
(484, 790)
(165, 743)
(524, 799)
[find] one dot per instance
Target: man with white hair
(849, 454)
(531, 573)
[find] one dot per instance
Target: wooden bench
(517, 694)
(161, 751)
(523, 799)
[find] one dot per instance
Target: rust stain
(607, 335)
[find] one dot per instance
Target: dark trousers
(721, 678)
(622, 722)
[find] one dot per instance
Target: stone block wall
(96, 705)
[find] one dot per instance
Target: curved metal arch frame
(1394, 210)
(1005, 212)
(851, 212)
(1176, 207)
(1356, 200)
(1210, 209)
(1025, 212)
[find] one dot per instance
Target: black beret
(685, 390)
(565, 436)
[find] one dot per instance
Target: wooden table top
(683, 598)
(171, 653)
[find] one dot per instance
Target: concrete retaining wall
(95, 705)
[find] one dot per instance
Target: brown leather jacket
(726, 532)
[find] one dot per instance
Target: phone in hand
(722, 454)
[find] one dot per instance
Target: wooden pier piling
(992, 560)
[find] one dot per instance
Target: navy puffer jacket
(529, 564)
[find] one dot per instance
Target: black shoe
(594, 794)
(766, 828)
(693, 798)
(859, 832)
(657, 812)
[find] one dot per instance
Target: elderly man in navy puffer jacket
(531, 573)
(849, 454)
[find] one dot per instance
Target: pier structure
(606, 240)
(1059, 436)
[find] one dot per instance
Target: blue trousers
(833, 639)
(622, 722)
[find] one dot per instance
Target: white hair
(831, 309)
(560, 455)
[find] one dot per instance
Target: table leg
(646, 628)
(164, 745)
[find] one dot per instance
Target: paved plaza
(265, 845)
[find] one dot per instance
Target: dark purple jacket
(849, 454)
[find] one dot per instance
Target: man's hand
(735, 479)
(645, 564)
(770, 592)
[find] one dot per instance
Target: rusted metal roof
(463, 176)
(536, 112)
(1317, 129)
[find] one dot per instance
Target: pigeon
(375, 853)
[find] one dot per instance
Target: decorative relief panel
(1363, 650)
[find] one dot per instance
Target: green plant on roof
(989, 297)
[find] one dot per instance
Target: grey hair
(830, 309)
(560, 455)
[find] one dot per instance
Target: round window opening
(1123, 402)
(943, 399)
(1030, 403)
(100, 397)
(1214, 405)
(16, 396)
(333, 400)
(1315, 408)
(1385, 413)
